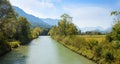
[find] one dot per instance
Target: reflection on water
(43, 50)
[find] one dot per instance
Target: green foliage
(105, 51)
(12, 27)
(7, 19)
(116, 44)
(7, 24)
(44, 31)
(14, 44)
(23, 32)
(109, 37)
(116, 31)
(109, 57)
(115, 34)
(65, 27)
(6, 10)
(101, 52)
(4, 47)
(92, 43)
(35, 32)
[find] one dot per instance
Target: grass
(99, 38)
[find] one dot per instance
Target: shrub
(109, 57)
(14, 44)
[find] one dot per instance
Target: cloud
(35, 7)
(84, 15)
(90, 16)
(31, 3)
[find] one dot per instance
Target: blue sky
(85, 13)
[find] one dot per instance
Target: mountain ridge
(35, 21)
(48, 22)
(97, 28)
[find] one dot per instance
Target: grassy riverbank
(98, 50)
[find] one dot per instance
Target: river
(43, 50)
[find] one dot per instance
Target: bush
(14, 44)
(109, 57)
(116, 44)
(4, 47)
(109, 37)
(92, 43)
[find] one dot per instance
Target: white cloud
(33, 3)
(90, 16)
(35, 7)
(83, 15)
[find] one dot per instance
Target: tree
(65, 27)
(66, 18)
(23, 30)
(36, 32)
(7, 25)
(7, 19)
(115, 34)
(54, 31)
(71, 29)
(116, 14)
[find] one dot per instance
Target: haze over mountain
(49, 22)
(97, 28)
(35, 21)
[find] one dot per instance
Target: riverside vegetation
(14, 29)
(103, 49)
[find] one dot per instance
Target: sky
(85, 13)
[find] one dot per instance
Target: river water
(43, 50)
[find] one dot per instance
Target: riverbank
(9, 46)
(100, 52)
(3, 52)
(76, 50)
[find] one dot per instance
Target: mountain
(108, 30)
(91, 28)
(51, 21)
(98, 28)
(35, 21)
(48, 22)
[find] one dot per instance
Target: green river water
(43, 50)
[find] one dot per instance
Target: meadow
(98, 38)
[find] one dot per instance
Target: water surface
(43, 50)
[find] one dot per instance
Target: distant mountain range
(35, 21)
(98, 28)
(48, 22)
(51, 21)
